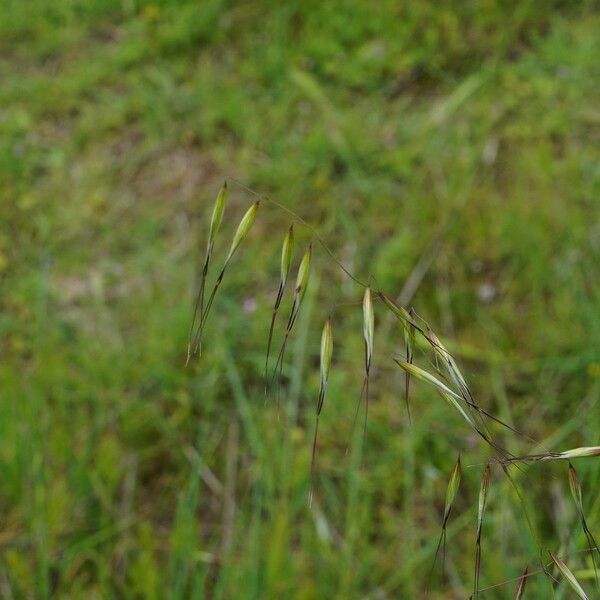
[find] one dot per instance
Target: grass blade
(568, 575)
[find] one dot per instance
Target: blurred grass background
(454, 146)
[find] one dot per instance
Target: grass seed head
(483, 491)
(303, 274)
(217, 215)
(521, 585)
(575, 486)
(399, 312)
(326, 354)
(286, 254)
(584, 452)
(453, 485)
(568, 575)
(368, 326)
(450, 364)
(243, 229)
(428, 377)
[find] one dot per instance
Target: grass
(454, 147)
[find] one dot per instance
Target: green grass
(388, 126)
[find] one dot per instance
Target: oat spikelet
(483, 491)
(583, 452)
(451, 491)
(448, 394)
(286, 262)
(409, 341)
(399, 312)
(368, 333)
(521, 585)
(454, 400)
(575, 486)
(450, 365)
(326, 354)
(215, 224)
(368, 336)
(568, 575)
(460, 383)
(302, 279)
(240, 234)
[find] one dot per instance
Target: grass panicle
(287, 252)
(568, 575)
(483, 492)
(326, 354)
(448, 381)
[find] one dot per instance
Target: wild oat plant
(442, 373)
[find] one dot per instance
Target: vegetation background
(448, 150)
